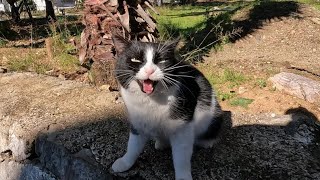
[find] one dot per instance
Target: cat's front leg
(135, 147)
(182, 148)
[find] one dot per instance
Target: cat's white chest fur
(149, 116)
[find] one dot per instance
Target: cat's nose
(149, 71)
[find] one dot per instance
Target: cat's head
(146, 63)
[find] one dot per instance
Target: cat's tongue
(147, 86)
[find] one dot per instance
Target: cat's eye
(135, 60)
(163, 61)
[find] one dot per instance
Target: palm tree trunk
(50, 15)
(100, 19)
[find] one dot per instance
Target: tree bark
(14, 12)
(50, 15)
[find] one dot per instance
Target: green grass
(313, 3)
(67, 62)
(3, 42)
(179, 17)
(243, 102)
(262, 83)
(223, 96)
(31, 62)
(227, 76)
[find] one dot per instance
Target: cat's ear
(120, 43)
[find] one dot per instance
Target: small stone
(5, 59)
(61, 76)
(273, 115)
(316, 20)
(216, 8)
(50, 72)
(105, 87)
(242, 90)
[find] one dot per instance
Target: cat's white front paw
(184, 177)
(120, 165)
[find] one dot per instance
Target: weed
(262, 83)
(234, 77)
(243, 102)
(61, 48)
(67, 62)
(3, 42)
(223, 96)
(314, 3)
(30, 62)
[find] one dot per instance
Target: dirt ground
(280, 44)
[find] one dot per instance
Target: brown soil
(278, 45)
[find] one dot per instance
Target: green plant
(262, 83)
(60, 35)
(235, 78)
(314, 3)
(227, 76)
(243, 102)
(223, 96)
(30, 62)
(3, 42)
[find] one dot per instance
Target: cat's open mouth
(147, 86)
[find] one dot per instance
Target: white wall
(4, 6)
(41, 5)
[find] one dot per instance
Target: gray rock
(298, 86)
(65, 165)
(12, 170)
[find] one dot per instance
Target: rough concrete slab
(250, 147)
(11, 170)
(30, 103)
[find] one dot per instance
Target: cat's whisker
(176, 67)
(176, 75)
(178, 64)
(128, 81)
(164, 85)
(124, 74)
(173, 83)
(182, 85)
(122, 70)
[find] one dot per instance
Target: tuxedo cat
(167, 100)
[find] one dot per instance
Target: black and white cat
(167, 100)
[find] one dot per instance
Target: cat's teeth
(147, 86)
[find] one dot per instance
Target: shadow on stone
(250, 147)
